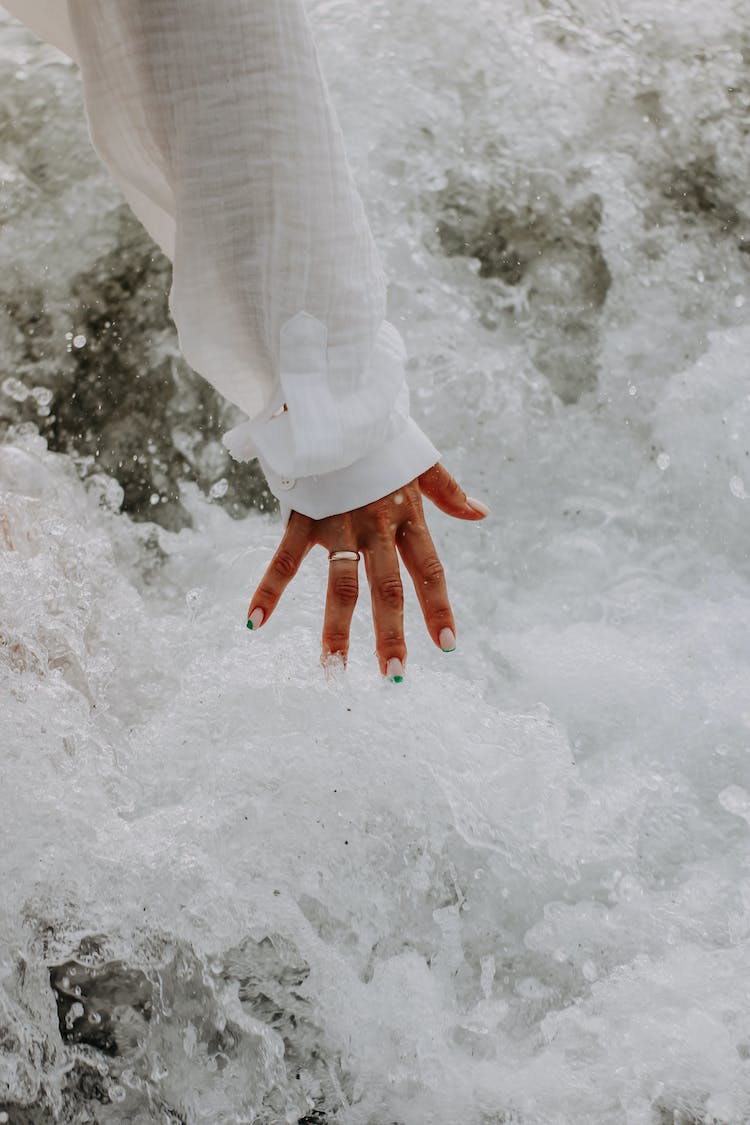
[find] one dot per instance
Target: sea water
(515, 888)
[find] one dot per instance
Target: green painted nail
(397, 679)
(447, 640)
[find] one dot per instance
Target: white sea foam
(515, 888)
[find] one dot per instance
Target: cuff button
(286, 483)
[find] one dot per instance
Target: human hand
(380, 532)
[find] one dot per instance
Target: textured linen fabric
(215, 120)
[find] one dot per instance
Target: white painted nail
(447, 640)
(477, 505)
(255, 620)
(394, 670)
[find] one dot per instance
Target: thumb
(439, 486)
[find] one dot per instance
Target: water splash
(515, 889)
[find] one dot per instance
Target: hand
(380, 531)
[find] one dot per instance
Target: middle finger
(381, 562)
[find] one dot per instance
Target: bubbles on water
(79, 341)
(15, 389)
(206, 777)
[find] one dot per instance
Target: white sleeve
(215, 120)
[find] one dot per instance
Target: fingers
(421, 560)
(281, 570)
(439, 486)
(343, 590)
(387, 593)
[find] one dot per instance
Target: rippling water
(517, 888)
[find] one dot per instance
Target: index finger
(282, 568)
(446, 493)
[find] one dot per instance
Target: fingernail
(255, 620)
(447, 640)
(394, 670)
(477, 505)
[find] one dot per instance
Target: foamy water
(516, 888)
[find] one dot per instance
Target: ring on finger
(340, 556)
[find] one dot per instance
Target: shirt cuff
(400, 460)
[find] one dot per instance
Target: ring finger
(341, 598)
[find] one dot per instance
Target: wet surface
(512, 890)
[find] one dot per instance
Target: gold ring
(338, 556)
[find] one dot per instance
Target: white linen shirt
(215, 121)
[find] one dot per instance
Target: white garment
(215, 120)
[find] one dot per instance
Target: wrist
(400, 459)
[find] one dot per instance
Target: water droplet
(79, 341)
(737, 488)
(632, 389)
(154, 498)
(219, 489)
(663, 461)
(739, 301)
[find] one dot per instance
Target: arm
(216, 122)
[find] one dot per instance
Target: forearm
(216, 121)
